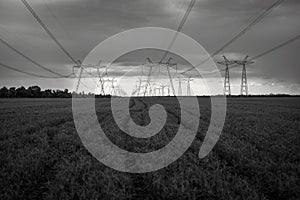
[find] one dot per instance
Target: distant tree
(34, 91)
(4, 92)
(22, 92)
(47, 93)
(60, 94)
(54, 93)
(12, 92)
(67, 94)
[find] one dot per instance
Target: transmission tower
(80, 74)
(151, 91)
(118, 91)
(81, 67)
(139, 85)
(149, 75)
(179, 87)
(188, 86)
(113, 85)
(147, 87)
(163, 89)
(244, 84)
(188, 90)
(159, 91)
(169, 64)
(226, 62)
(102, 82)
(143, 88)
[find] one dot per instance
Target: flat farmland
(256, 157)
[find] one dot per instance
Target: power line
(263, 53)
(71, 75)
(56, 18)
(28, 73)
(273, 49)
(36, 75)
(248, 27)
(30, 59)
(277, 47)
(233, 66)
(47, 30)
(191, 5)
(259, 18)
(241, 33)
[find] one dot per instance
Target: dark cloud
(81, 25)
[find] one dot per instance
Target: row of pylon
(146, 87)
(147, 90)
(154, 89)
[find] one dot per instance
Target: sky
(81, 25)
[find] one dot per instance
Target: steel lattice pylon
(244, 84)
(188, 89)
(179, 87)
(227, 90)
(226, 62)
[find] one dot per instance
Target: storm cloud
(81, 25)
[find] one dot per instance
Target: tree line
(37, 92)
(33, 92)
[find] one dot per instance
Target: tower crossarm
(243, 62)
(226, 62)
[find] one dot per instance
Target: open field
(257, 156)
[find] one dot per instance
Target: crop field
(256, 157)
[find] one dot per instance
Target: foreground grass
(257, 156)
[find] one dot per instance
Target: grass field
(257, 156)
